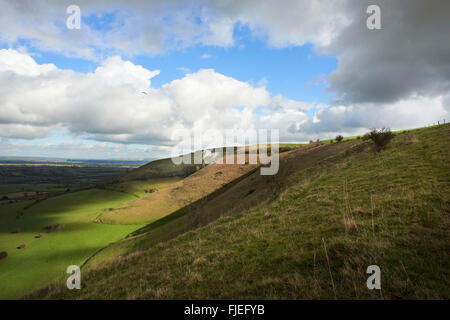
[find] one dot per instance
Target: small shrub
(358, 138)
(339, 138)
(380, 138)
(3, 255)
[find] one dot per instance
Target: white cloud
(406, 58)
(152, 27)
(206, 56)
(108, 105)
(23, 131)
(356, 119)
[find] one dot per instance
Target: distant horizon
(75, 159)
(168, 155)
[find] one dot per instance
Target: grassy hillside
(171, 194)
(201, 198)
(244, 191)
(146, 207)
(45, 259)
(315, 239)
(159, 169)
(90, 220)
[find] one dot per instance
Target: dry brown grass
(172, 196)
(350, 225)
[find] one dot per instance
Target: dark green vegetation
(380, 138)
(160, 169)
(32, 180)
(308, 232)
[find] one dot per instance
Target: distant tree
(339, 138)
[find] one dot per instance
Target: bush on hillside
(380, 138)
(339, 138)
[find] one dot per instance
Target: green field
(326, 223)
(45, 259)
(31, 181)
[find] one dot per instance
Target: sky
(137, 71)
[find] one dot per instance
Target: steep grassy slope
(138, 188)
(147, 206)
(172, 195)
(315, 240)
(246, 190)
(91, 219)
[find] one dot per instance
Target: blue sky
(297, 72)
(221, 65)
